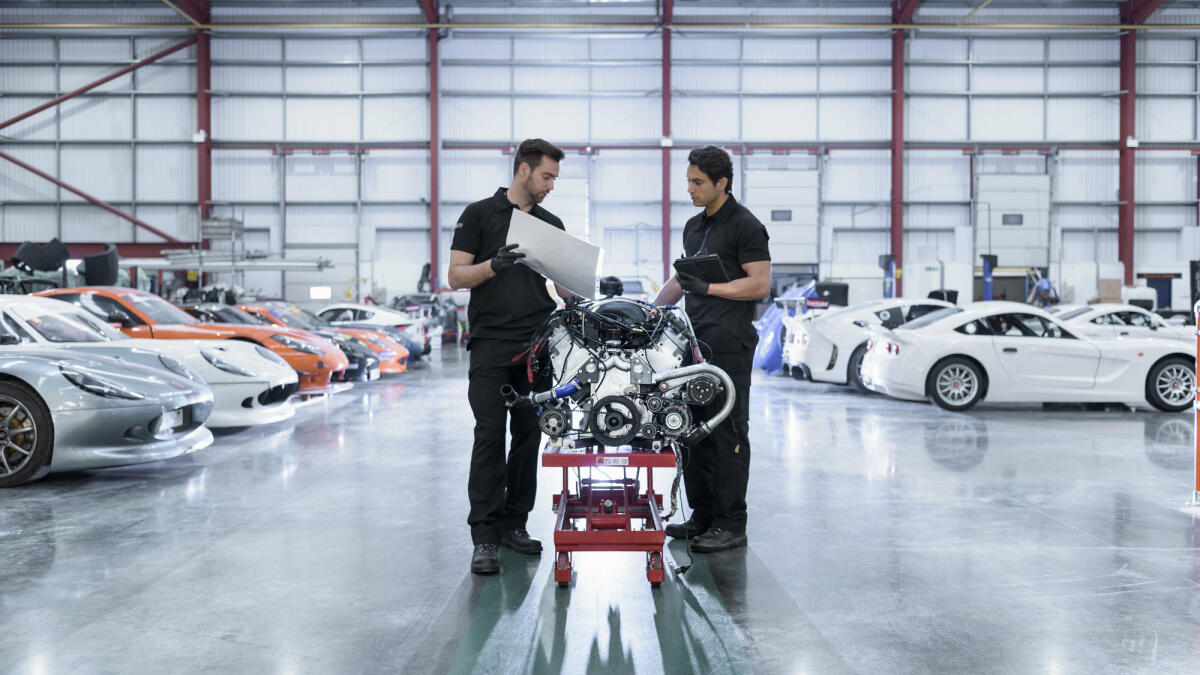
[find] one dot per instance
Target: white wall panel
(476, 119)
(855, 118)
(1165, 177)
(320, 224)
(779, 79)
(245, 175)
(165, 118)
(555, 49)
(615, 216)
(416, 217)
(394, 49)
(705, 47)
(17, 184)
(935, 79)
(103, 171)
(1007, 79)
(396, 78)
(301, 49)
(21, 49)
(780, 119)
(937, 216)
(550, 118)
(1151, 217)
(936, 119)
(616, 119)
(1155, 248)
(84, 222)
(28, 223)
(1009, 119)
(857, 174)
(237, 119)
(148, 46)
(987, 49)
(322, 119)
(166, 172)
(166, 78)
(711, 119)
(855, 78)
(1164, 119)
(475, 78)
(1086, 246)
(632, 78)
(855, 49)
(73, 77)
(399, 118)
(541, 80)
(937, 176)
(1024, 163)
(499, 49)
(929, 247)
(262, 225)
(705, 78)
(780, 49)
(1086, 176)
(936, 48)
(1076, 79)
(1084, 50)
(399, 256)
(627, 176)
(612, 47)
(27, 78)
(321, 178)
(264, 79)
(395, 175)
(95, 49)
(1166, 79)
(1086, 217)
(97, 118)
(1083, 119)
(37, 127)
(181, 222)
(471, 175)
(243, 49)
(321, 79)
(859, 246)
(1163, 49)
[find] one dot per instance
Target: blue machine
(887, 262)
(768, 355)
(989, 266)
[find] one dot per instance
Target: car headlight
(179, 368)
(297, 344)
(221, 364)
(95, 384)
(372, 341)
(270, 355)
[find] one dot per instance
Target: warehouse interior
(318, 152)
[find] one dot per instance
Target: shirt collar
(500, 201)
(724, 212)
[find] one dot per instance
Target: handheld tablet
(708, 267)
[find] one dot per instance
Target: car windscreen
(1067, 316)
(60, 327)
(316, 320)
(292, 318)
(233, 315)
(159, 310)
(930, 318)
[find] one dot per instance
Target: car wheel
(26, 435)
(854, 370)
(1171, 385)
(955, 384)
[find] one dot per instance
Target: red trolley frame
(608, 509)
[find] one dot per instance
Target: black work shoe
(717, 539)
(485, 559)
(518, 539)
(685, 530)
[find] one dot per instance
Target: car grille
(277, 394)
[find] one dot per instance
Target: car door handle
(1010, 350)
(1123, 333)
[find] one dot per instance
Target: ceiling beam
(430, 9)
(903, 10)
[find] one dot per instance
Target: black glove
(505, 258)
(692, 284)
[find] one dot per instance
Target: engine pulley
(675, 418)
(553, 422)
(701, 390)
(615, 420)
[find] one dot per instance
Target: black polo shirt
(737, 238)
(515, 303)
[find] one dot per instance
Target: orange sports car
(144, 315)
(393, 356)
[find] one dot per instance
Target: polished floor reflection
(885, 537)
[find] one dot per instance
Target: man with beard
(716, 469)
(508, 303)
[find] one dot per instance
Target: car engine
(624, 373)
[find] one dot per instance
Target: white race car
(356, 315)
(1009, 352)
(250, 383)
(829, 347)
(1114, 320)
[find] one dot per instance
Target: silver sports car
(60, 411)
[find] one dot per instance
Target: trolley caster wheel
(654, 568)
(562, 569)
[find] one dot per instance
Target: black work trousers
(501, 491)
(717, 469)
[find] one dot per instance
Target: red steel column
(204, 123)
(897, 200)
(1125, 185)
(666, 150)
(434, 147)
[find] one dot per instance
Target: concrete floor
(885, 537)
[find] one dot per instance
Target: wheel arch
(5, 377)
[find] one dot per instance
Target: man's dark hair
(531, 151)
(715, 163)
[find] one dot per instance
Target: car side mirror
(120, 319)
(9, 339)
(860, 323)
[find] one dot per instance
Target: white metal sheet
(103, 171)
(166, 173)
(626, 119)
(166, 118)
(395, 118)
(562, 258)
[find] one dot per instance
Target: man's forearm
(670, 294)
(470, 276)
(746, 288)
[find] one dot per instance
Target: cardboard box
(1110, 290)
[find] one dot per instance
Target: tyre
(1171, 385)
(854, 370)
(955, 384)
(26, 435)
